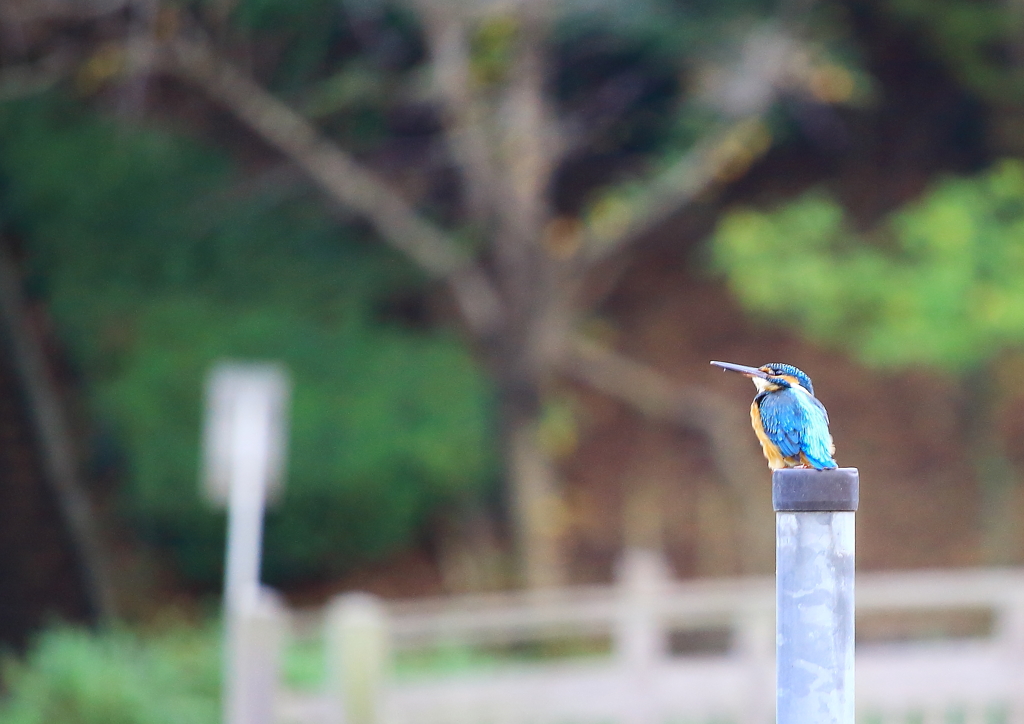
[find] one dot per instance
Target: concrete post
(639, 639)
(814, 558)
(255, 638)
(358, 658)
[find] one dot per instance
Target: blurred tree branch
(657, 397)
(446, 36)
(721, 156)
(335, 171)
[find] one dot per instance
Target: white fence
(934, 647)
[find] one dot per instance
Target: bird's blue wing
(821, 407)
(797, 422)
(817, 443)
(783, 419)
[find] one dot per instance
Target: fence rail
(937, 647)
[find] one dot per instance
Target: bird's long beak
(742, 369)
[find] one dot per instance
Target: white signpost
(244, 452)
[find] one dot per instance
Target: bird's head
(771, 377)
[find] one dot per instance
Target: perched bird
(788, 420)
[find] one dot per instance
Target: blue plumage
(789, 421)
(779, 369)
(796, 423)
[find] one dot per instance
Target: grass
(73, 676)
(461, 658)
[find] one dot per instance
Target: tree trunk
(533, 490)
(59, 461)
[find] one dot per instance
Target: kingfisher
(789, 421)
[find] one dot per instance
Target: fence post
(1009, 632)
(254, 636)
(754, 645)
(639, 639)
(358, 658)
(814, 570)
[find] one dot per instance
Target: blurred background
(495, 243)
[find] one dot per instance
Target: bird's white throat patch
(762, 384)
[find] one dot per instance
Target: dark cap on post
(809, 490)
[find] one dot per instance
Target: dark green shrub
(154, 268)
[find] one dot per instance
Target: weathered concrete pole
(814, 569)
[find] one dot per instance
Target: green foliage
(338, 63)
(980, 41)
(304, 31)
(76, 677)
(664, 25)
(493, 48)
(280, 15)
(940, 283)
(154, 269)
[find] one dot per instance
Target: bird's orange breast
(776, 461)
